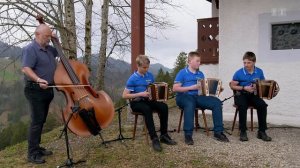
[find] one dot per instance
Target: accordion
(209, 87)
(266, 89)
(158, 91)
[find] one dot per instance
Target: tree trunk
(102, 55)
(70, 29)
(88, 34)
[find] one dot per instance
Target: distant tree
(165, 77)
(160, 76)
(168, 79)
(121, 102)
(19, 134)
(181, 62)
(5, 136)
(51, 123)
(16, 101)
(13, 134)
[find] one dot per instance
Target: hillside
(116, 74)
(126, 154)
(283, 151)
(13, 105)
(9, 51)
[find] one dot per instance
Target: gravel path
(283, 151)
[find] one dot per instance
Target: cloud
(165, 49)
(171, 42)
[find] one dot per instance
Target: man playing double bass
(38, 65)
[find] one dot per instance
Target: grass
(125, 154)
(9, 76)
(9, 70)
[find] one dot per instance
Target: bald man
(38, 66)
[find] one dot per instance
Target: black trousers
(39, 100)
(243, 101)
(147, 108)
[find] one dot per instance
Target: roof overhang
(217, 3)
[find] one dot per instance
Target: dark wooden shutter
(208, 40)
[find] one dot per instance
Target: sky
(167, 47)
(170, 42)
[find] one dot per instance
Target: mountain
(119, 64)
(116, 74)
(155, 67)
(113, 65)
(9, 51)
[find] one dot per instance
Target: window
(285, 36)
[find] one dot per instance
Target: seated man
(242, 82)
(136, 91)
(187, 98)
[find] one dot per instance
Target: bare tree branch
(78, 25)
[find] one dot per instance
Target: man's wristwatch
(243, 87)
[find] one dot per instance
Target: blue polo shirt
(41, 61)
(188, 78)
(139, 83)
(245, 78)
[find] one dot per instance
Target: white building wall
(242, 25)
(210, 70)
(214, 10)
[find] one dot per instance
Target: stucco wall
(242, 28)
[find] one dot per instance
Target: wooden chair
(136, 115)
(236, 112)
(196, 120)
(145, 130)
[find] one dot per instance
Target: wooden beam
(137, 30)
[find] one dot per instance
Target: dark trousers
(39, 101)
(243, 101)
(147, 108)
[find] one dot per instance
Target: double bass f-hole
(95, 108)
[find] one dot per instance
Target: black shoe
(221, 137)
(243, 136)
(262, 135)
(167, 140)
(156, 145)
(37, 159)
(45, 152)
(189, 140)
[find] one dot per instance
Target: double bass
(89, 110)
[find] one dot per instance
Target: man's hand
(144, 94)
(43, 83)
(249, 88)
(195, 87)
(54, 35)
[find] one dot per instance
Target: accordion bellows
(266, 89)
(158, 91)
(209, 87)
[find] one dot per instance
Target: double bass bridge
(84, 98)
